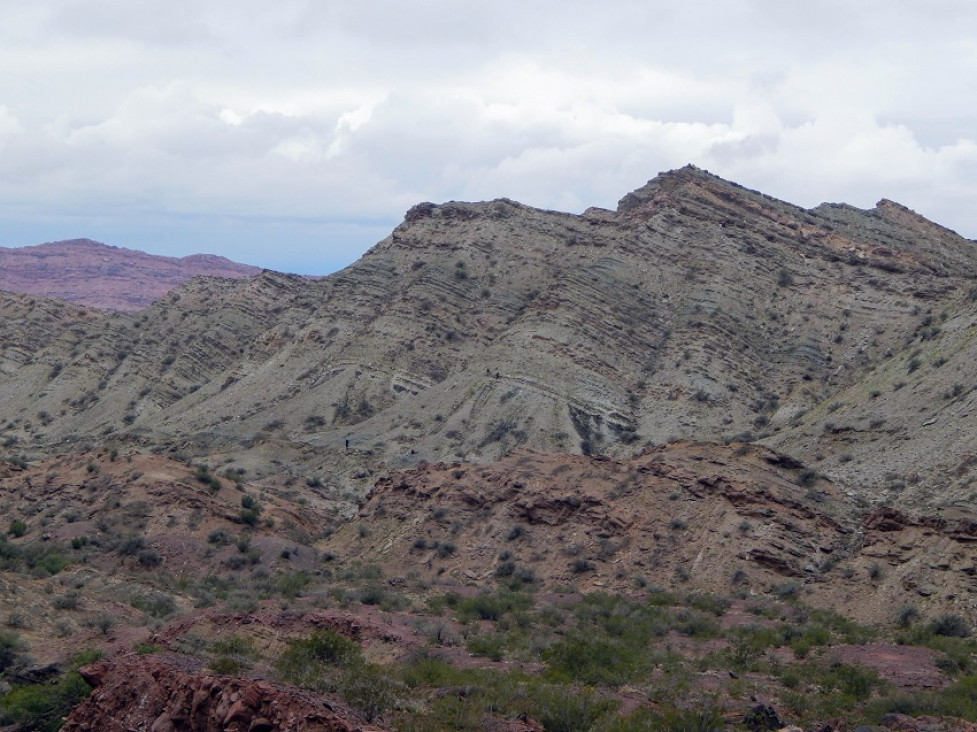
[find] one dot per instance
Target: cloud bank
(295, 135)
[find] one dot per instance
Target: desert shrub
(9, 554)
(236, 562)
(809, 638)
(375, 594)
(131, 545)
(831, 691)
(521, 577)
(149, 558)
(426, 668)
(17, 528)
(696, 625)
(103, 622)
(505, 569)
(17, 620)
(11, 647)
(43, 706)
(787, 590)
(491, 606)
(959, 700)
(323, 646)
(563, 709)
(67, 601)
(157, 604)
(853, 681)
(44, 560)
(220, 537)
(314, 662)
(367, 688)
(581, 565)
(210, 480)
(241, 602)
(487, 645)
(250, 516)
(714, 604)
(807, 477)
(226, 666)
(951, 626)
(669, 718)
(293, 584)
(907, 616)
(233, 654)
(591, 659)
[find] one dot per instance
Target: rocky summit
(704, 460)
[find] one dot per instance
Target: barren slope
(687, 516)
(106, 277)
(696, 310)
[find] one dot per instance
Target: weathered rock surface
(122, 523)
(698, 309)
(708, 517)
(143, 692)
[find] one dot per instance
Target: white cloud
(310, 116)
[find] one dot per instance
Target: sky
(295, 135)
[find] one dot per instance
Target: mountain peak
(672, 184)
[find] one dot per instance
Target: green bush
(292, 584)
(491, 646)
(590, 659)
(156, 604)
(45, 560)
(959, 700)
(307, 662)
(424, 668)
(950, 626)
(706, 718)
(492, 606)
(368, 689)
(249, 516)
(565, 709)
(210, 480)
(43, 706)
(10, 648)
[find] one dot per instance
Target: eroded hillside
(697, 310)
(703, 461)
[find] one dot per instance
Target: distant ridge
(90, 273)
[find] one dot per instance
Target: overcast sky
(295, 134)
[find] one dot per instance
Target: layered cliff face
(697, 310)
(705, 391)
(689, 517)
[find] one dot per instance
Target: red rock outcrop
(144, 692)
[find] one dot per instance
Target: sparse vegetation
(302, 455)
(42, 706)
